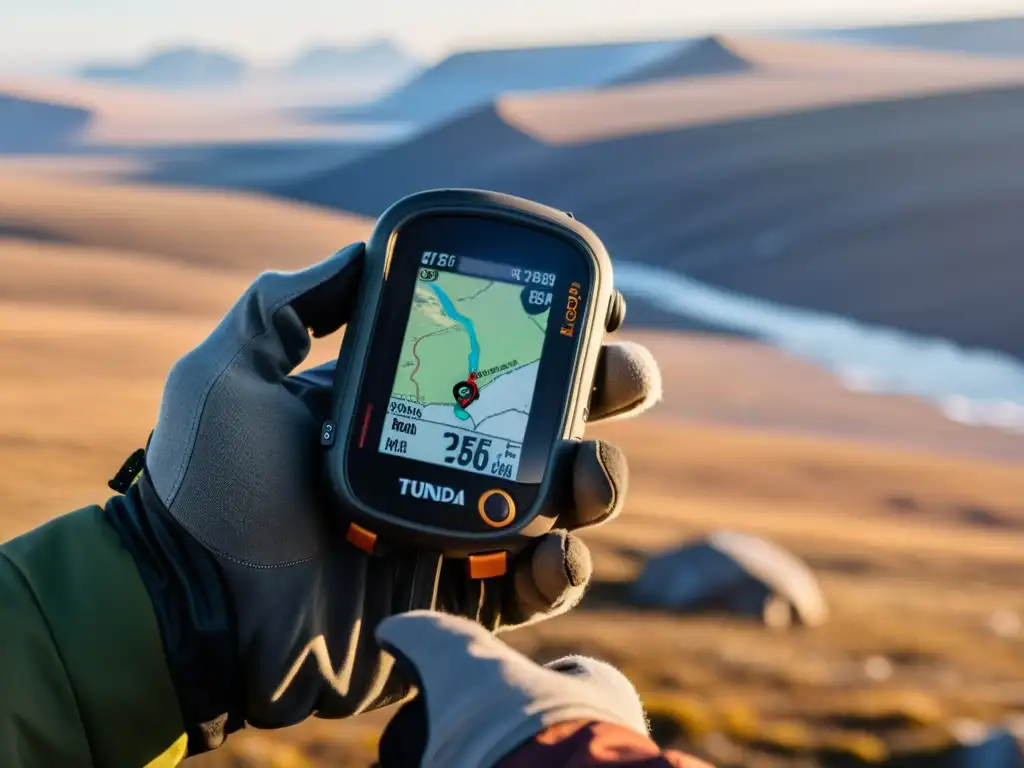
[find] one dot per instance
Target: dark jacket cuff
(193, 611)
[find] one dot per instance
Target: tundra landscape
(816, 235)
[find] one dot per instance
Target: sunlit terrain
(817, 239)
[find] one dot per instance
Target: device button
(487, 566)
(360, 538)
(496, 508)
(616, 313)
(327, 432)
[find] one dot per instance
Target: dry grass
(912, 574)
(216, 230)
(916, 550)
(104, 287)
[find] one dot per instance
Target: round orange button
(496, 508)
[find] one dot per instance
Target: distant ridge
(183, 67)
(29, 125)
(379, 58)
(472, 78)
(706, 56)
(998, 37)
(456, 151)
(783, 76)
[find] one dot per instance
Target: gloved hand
(479, 699)
(266, 612)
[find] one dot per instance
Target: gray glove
(266, 612)
(479, 699)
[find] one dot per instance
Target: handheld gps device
(465, 375)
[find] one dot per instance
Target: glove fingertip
(577, 562)
(600, 482)
(629, 382)
(561, 564)
(326, 306)
(611, 681)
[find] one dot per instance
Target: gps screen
(468, 366)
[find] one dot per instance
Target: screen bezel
(373, 476)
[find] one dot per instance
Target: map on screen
(466, 374)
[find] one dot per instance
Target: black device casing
(356, 351)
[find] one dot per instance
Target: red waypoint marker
(466, 391)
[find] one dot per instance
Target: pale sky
(266, 30)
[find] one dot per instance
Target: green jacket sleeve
(83, 677)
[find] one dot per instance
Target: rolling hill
(1000, 37)
(104, 287)
(382, 59)
(75, 116)
(703, 56)
(843, 187)
(469, 79)
(202, 228)
(30, 125)
(173, 68)
(116, 114)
